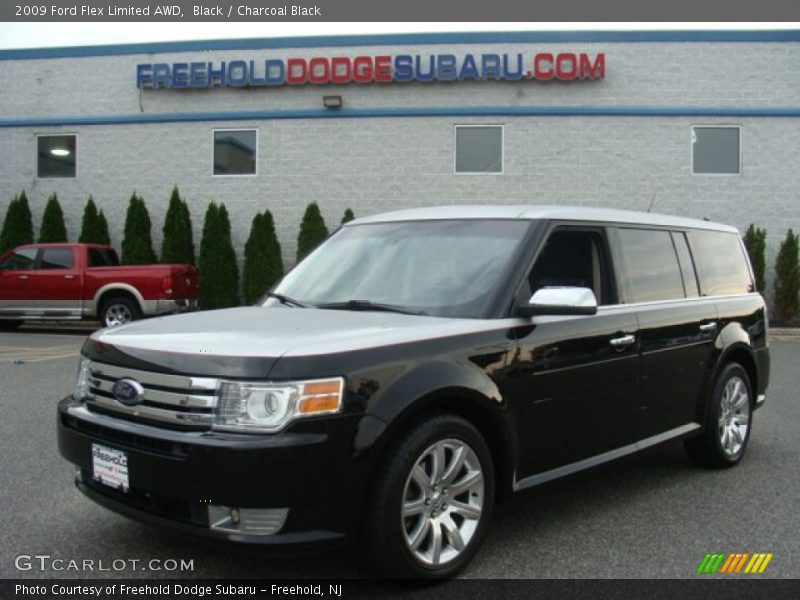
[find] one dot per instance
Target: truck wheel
(118, 311)
(730, 418)
(431, 502)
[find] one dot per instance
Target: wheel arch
(475, 408)
(739, 352)
(116, 289)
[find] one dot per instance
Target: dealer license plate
(110, 467)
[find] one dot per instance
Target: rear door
(55, 284)
(676, 326)
(15, 281)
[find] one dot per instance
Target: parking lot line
(30, 354)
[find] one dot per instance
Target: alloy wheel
(442, 502)
(734, 416)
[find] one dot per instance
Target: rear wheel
(724, 441)
(118, 311)
(431, 502)
(9, 325)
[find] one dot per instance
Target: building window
(479, 148)
(56, 155)
(235, 151)
(716, 150)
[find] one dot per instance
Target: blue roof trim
(407, 39)
(474, 111)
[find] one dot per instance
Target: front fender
(463, 387)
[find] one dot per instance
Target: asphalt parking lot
(650, 516)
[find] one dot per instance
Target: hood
(259, 332)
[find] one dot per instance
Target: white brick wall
(378, 164)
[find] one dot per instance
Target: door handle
(708, 327)
(23, 277)
(69, 276)
(622, 342)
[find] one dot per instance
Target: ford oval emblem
(128, 392)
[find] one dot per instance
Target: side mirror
(560, 301)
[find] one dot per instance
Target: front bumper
(175, 476)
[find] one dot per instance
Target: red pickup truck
(86, 281)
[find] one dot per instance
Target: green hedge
(17, 225)
(177, 245)
(755, 240)
(53, 229)
(219, 275)
(312, 231)
(787, 280)
(137, 245)
(94, 227)
(263, 265)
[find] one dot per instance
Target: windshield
(441, 268)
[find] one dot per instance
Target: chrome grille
(179, 401)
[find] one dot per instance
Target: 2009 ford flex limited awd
(418, 367)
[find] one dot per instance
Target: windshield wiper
(367, 305)
(286, 300)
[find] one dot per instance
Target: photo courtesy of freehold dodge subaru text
(415, 370)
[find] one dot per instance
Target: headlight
(82, 381)
(245, 406)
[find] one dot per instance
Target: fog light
(251, 521)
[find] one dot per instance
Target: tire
(9, 325)
(730, 419)
(119, 310)
(405, 546)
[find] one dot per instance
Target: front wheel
(431, 503)
(724, 441)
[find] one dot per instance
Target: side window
(574, 258)
(102, 257)
(235, 151)
(20, 260)
(687, 265)
(56, 156)
(56, 258)
(479, 149)
(651, 265)
(722, 263)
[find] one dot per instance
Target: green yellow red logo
(734, 563)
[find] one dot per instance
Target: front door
(576, 390)
(15, 281)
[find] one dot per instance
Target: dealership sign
(542, 66)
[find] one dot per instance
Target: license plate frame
(110, 467)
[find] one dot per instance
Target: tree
(137, 244)
(787, 279)
(187, 227)
(274, 270)
(94, 227)
(102, 229)
(263, 265)
(755, 240)
(348, 216)
(53, 229)
(312, 231)
(219, 275)
(18, 224)
(177, 245)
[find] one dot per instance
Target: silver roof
(533, 212)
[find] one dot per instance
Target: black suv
(418, 367)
